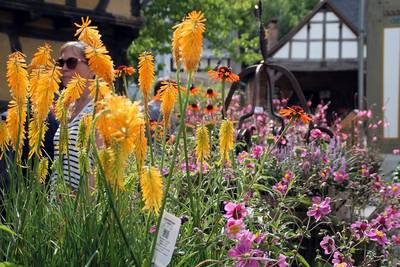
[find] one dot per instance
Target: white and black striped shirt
(70, 162)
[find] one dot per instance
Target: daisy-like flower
(359, 229)
(319, 208)
(42, 57)
(340, 176)
(146, 75)
(282, 261)
(210, 93)
(88, 34)
(194, 107)
(280, 187)
(233, 228)
(244, 253)
(194, 90)
(224, 74)
(151, 187)
(128, 71)
(378, 236)
(210, 109)
(235, 211)
(202, 143)
(328, 245)
(296, 113)
(100, 62)
(226, 139)
(190, 40)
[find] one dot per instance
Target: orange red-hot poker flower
(88, 34)
(295, 113)
(128, 71)
(146, 74)
(210, 109)
(210, 93)
(224, 74)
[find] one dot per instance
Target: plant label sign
(166, 239)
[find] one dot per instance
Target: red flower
(223, 74)
(128, 71)
(295, 112)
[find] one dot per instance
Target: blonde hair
(78, 46)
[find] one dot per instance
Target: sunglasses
(71, 62)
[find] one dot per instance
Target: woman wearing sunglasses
(72, 60)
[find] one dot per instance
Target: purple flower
(396, 240)
(233, 228)
(340, 176)
(260, 237)
(359, 228)
(378, 236)
(235, 211)
(243, 253)
(319, 208)
(282, 261)
(153, 229)
(280, 187)
(288, 177)
(328, 245)
(340, 261)
(257, 152)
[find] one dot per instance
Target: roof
(349, 9)
(346, 10)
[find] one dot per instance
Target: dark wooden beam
(135, 8)
(102, 5)
(15, 43)
(71, 3)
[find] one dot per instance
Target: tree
(231, 25)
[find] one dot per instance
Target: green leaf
(8, 264)
(6, 229)
(302, 260)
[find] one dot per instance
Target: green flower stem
(125, 84)
(110, 197)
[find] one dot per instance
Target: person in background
(72, 60)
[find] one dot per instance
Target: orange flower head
(146, 74)
(17, 76)
(224, 74)
(176, 47)
(127, 71)
(100, 62)
(295, 113)
(41, 57)
(88, 34)
(194, 90)
(194, 107)
(210, 109)
(210, 93)
(168, 94)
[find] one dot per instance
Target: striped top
(71, 172)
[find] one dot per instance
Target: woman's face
(81, 67)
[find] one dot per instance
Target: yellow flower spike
(191, 40)
(17, 77)
(4, 138)
(73, 91)
(104, 89)
(140, 149)
(202, 143)
(100, 62)
(88, 34)
(168, 94)
(16, 119)
(176, 47)
(43, 170)
(37, 129)
(146, 75)
(84, 131)
(151, 186)
(226, 139)
(42, 57)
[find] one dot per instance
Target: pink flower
(396, 151)
(319, 208)
(153, 229)
(378, 236)
(316, 134)
(364, 170)
(282, 261)
(340, 176)
(242, 156)
(235, 211)
(288, 177)
(340, 261)
(394, 189)
(243, 252)
(280, 187)
(257, 152)
(328, 245)
(396, 240)
(233, 228)
(260, 237)
(359, 228)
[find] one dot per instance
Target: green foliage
(231, 25)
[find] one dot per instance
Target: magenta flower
(328, 245)
(243, 253)
(288, 177)
(242, 156)
(396, 151)
(235, 211)
(378, 236)
(280, 187)
(396, 240)
(260, 237)
(282, 261)
(257, 152)
(394, 190)
(233, 228)
(319, 208)
(359, 228)
(153, 229)
(340, 261)
(340, 176)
